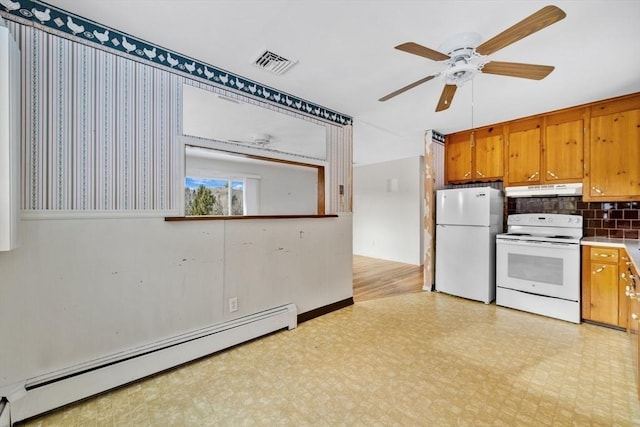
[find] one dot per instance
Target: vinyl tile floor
(422, 359)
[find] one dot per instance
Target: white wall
(288, 190)
(99, 271)
(80, 289)
(387, 210)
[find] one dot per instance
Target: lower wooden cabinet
(603, 293)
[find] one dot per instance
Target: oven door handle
(537, 244)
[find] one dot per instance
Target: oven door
(542, 268)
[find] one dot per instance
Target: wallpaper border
(77, 28)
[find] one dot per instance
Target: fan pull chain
(473, 133)
(472, 100)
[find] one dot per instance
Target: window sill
(225, 218)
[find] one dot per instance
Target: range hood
(544, 190)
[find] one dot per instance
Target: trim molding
(76, 28)
(320, 311)
(60, 388)
(223, 217)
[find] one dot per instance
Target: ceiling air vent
(273, 62)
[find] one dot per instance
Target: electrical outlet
(233, 304)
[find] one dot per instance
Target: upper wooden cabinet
(613, 151)
(563, 146)
(475, 155)
(458, 164)
(546, 149)
(489, 146)
(597, 144)
(524, 148)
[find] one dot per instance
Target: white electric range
(538, 265)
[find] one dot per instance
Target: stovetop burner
(558, 228)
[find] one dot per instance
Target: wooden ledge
(225, 218)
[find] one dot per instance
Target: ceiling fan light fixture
(261, 139)
(461, 44)
(460, 73)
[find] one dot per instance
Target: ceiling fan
(465, 56)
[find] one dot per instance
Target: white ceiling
(347, 60)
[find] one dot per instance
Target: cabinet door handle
(598, 270)
(467, 175)
(634, 316)
(480, 174)
(533, 175)
(603, 255)
(597, 190)
(552, 175)
(630, 292)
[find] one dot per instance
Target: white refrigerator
(467, 222)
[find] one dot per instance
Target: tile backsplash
(606, 219)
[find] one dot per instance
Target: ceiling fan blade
(446, 97)
(420, 50)
(514, 69)
(406, 88)
(541, 19)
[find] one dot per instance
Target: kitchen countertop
(631, 245)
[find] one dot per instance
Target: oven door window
(536, 268)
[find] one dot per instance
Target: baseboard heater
(59, 388)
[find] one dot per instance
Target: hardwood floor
(376, 278)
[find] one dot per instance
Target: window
(214, 196)
(231, 184)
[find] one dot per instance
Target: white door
(465, 262)
(466, 206)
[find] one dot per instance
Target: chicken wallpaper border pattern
(43, 15)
